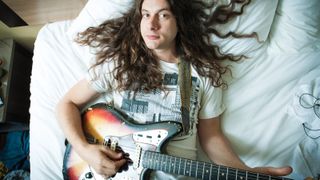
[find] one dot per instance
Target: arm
(102, 159)
(219, 150)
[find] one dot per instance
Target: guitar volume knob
(88, 175)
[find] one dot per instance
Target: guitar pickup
(154, 137)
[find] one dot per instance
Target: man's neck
(168, 56)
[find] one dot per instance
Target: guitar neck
(197, 169)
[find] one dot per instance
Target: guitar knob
(89, 175)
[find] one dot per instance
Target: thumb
(281, 171)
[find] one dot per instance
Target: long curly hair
(137, 68)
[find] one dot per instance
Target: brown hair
(137, 68)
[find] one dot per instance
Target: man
(138, 59)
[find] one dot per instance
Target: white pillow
(97, 11)
(257, 17)
(296, 27)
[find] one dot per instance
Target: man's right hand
(102, 159)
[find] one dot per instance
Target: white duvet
(265, 101)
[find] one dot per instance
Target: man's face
(158, 25)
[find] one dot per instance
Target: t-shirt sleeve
(211, 102)
(100, 78)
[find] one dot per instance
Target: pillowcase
(95, 12)
(258, 17)
(296, 27)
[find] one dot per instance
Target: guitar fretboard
(198, 169)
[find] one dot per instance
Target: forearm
(68, 112)
(68, 115)
(216, 145)
(220, 152)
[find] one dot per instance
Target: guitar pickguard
(133, 144)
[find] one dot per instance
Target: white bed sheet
(263, 119)
(55, 69)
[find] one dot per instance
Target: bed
(272, 116)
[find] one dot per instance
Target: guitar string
(215, 167)
(211, 166)
(223, 170)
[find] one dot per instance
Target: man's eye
(145, 15)
(163, 16)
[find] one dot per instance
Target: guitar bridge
(111, 142)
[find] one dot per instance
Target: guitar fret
(227, 174)
(191, 172)
(197, 166)
(145, 163)
(164, 163)
(261, 176)
(202, 171)
(157, 161)
(185, 165)
(218, 174)
(246, 174)
(242, 175)
(190, 167)
(179, 166)
(210, 171)
(174, 167)
(170, 165)
(150, 160)
(232, 173)
(236, 174)
(223, 172)
(153, 163)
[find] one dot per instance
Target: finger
(112, 167)
(112, 154)
(120, 163)
(283, 171)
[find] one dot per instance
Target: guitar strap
(185, 86)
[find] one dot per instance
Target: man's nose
(154, 23)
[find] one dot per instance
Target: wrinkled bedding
(272, 100)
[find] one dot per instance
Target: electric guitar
(143, 143)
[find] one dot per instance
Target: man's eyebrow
(163, 9)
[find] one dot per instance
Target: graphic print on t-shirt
(158, 106)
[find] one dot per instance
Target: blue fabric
(17, 175)
(16, 151)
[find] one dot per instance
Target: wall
(24, 35)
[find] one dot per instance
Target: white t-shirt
(156, 106)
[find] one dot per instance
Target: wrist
(80, 145)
